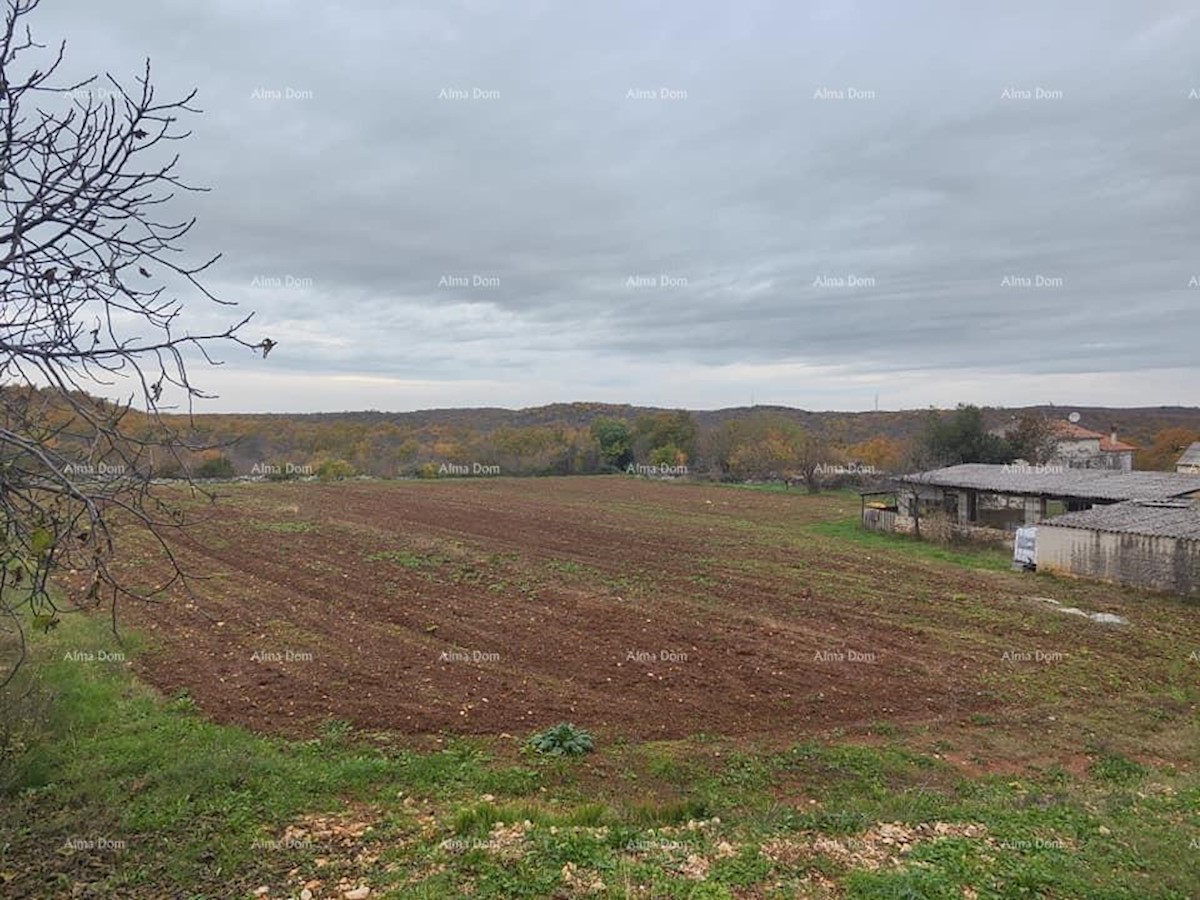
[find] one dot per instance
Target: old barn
(992, 501)
(1146, 543)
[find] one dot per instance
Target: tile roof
(1162, 519)
(1069, 431)
(1058, 481)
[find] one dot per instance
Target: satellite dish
(1073, 418)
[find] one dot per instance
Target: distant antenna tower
(877, 401)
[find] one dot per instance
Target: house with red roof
(1077, 447)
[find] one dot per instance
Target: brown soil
(632, 608)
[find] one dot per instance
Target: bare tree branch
(93, 287)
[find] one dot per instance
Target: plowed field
(635, 608)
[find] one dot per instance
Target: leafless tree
(91, 282)
(813, 452)
(1033, 438)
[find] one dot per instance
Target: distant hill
(1138, 425)
(557, 438)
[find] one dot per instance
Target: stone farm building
(1077, 447)
(1149, 543)
(1189, 463)
(992, 501)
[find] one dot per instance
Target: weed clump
(563, 739)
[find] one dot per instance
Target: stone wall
(936, 527)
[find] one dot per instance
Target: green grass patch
(1117, 769)
(286, 527)
(850, 530)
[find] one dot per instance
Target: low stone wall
(936, 527)
(979, 534)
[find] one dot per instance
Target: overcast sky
(693, 204)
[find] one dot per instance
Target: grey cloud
(559, 187)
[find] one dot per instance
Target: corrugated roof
(1052, 481)
(1191, 456)
(1163, 519)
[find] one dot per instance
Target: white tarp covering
(1025, 548)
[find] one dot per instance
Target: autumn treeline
(757, 445)
(585, 438)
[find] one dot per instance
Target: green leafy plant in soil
(563, 739)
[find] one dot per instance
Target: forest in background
(589, 438)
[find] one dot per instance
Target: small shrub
(335, 470)
(937, 527)
(563, 739)
(219, 467)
